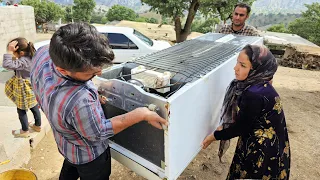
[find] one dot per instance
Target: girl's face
(242, 67)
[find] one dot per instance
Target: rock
(301, 57)
(204, 167)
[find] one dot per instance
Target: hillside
(283, 6)
(264, 21)
(259, 6)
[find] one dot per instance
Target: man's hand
(208, 140)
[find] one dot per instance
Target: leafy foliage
(308, 26)
(263, 21)
(278, 28)
(152, 20)
(118, 13)
(204, 27)
(68, 14)
(176, 9)
(82, 10)
(44, 11)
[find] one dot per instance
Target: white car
(126, 43)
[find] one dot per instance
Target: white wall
(16, 22)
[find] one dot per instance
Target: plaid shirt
(73, 110)
(245, 31)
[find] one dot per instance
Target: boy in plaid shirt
(61, 79)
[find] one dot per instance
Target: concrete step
(14, 152)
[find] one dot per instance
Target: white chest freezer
(200, 71)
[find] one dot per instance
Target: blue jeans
(24, 118)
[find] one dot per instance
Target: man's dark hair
(79, 47)
(243, 5)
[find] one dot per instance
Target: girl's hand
(12, 47)
(208, 140)
(219, 128)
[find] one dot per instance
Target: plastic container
(18, 174)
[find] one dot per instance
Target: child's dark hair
(25, 46)
(78, 47)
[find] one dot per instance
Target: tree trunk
(182, 34)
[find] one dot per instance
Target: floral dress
(263, 150)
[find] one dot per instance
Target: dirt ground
(300, 92)
(43, 36)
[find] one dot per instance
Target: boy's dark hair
(78, 47)
(25, 46)
(243, 5)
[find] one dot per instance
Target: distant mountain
(259, 6)
(283, 6)
(109, 3)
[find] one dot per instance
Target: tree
(54, 11)
(119, 13)
(278, 28)
(44, 11)
(152, 20)
(308, 26)
(177, 9)
(83, 9)
(104, 20)
(96, 17)
(141, 19)
(68, 14)
(99, 18)
(207, 25)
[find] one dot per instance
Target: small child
(18, 88)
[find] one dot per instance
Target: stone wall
(16, 22)
(301, 57)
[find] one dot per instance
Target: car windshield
(143, 37)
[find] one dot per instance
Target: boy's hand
(102, 99)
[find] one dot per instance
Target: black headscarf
(264, 66)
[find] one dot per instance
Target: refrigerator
(199, 72)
